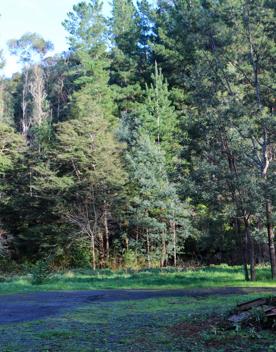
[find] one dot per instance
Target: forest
(150, 142)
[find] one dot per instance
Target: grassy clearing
(150, 325)
(158, 325)
(169, 278)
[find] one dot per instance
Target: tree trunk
(92, 247)
(270, 234)
(24, 105)
(126, 243)
(251, 250)
(252, 259)
(244, 243)
(37, 91)
(136, 247)
(102, 251)
(173, 226)
(164, 250)
(148, 250)
(237, 198)
(106, 233)
(137, 241)
(95, 225)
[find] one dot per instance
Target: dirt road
(33, 306)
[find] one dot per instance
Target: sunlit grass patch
(167, 278)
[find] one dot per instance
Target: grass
(151, 325)
(170, 278)
(158, 325)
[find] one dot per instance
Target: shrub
(8, 266)
(80, 255)
(130, 260)
(40, 272)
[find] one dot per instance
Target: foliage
(29, 45)
(40, 272)
(151, 141)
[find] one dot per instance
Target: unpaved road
(33, 306)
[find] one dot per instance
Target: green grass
(150, 325)
(170, 278)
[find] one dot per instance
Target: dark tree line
(150, 141)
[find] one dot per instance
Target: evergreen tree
(11, 151)
(88, 154)
(126, 65)
(196, 132)
(160, 119)
(154, 210)
(125, 31)
(88, 40)
(11, 146)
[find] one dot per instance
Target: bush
(130, 260)
(80, 255)
(75, 256)
(40, 272)
(8, 266)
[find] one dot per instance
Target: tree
(6, 103)
(155, 213)
(59, 84)
(38, 94)
(11, 147)
(127, 54)
(88, 40)
(257, 43)
(11, 150)
(88, 152)
(2, 102)
(160, 119)
(30, 48)
(152, 137)
(125, 31)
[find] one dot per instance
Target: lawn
(168, 278)
(152, 325)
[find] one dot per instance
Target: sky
(41, 16)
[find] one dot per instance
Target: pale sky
(41, 16)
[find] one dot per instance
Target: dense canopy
(150, 142)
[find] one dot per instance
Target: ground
(20, 308)
(166, 320)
